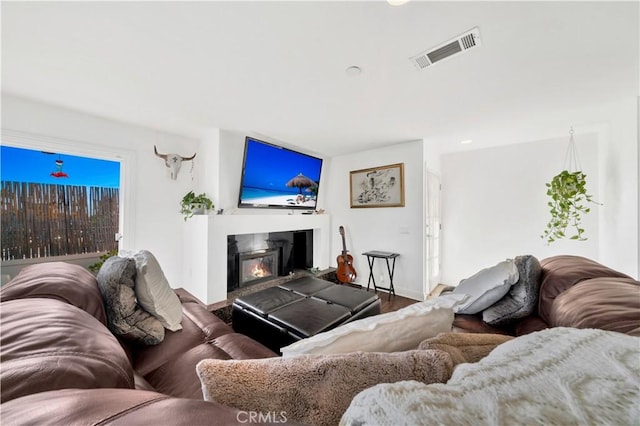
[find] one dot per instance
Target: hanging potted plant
(195, 204)
(569, 198)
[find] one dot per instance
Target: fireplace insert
(254, 258)
(255, 267)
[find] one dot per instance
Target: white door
(433, 229)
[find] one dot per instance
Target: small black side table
(371, 257)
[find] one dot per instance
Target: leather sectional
(60, 364)
(573, 292)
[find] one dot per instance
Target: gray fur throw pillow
(314, 389)
(125, 317)
(522, 298)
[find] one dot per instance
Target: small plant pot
(195, 205)
(198, 209)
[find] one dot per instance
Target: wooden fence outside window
(43, 220)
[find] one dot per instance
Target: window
(56, 204)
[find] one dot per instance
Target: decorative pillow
(401, 330)
(313, 389)
(154, 292)
(124, 317)
(486, 287)
(465, 347)
(522, 298)
(559, 376)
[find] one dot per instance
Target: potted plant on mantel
(195, 204)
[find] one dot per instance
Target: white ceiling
(278, 68)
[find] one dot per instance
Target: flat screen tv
(277, 177)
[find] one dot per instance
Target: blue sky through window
(27, 165)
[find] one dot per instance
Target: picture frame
(377, 186)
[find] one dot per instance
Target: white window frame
(125, 157)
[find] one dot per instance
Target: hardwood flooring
(396, 302)
(389, 304)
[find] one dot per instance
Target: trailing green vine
(569, 196)
(96, 266)
(192, 203)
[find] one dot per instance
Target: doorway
(433, 231)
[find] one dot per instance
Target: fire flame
(259, 271)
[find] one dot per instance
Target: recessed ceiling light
(397, 2)
(466, 142)
(353, 70)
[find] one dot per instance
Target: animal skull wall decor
(173, 161)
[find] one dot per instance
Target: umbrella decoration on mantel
(301, 181)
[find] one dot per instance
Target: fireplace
(255, 258)
(210, 246)
(255, 267)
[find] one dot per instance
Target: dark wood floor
(396, 302)
(390, 304)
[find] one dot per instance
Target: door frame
(429, 175)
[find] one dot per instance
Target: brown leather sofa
(60, 364)
(574, 292)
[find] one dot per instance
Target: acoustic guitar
(345, 273)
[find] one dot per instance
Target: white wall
(392, 229)
(495, 204)
(620, 187)
(231, 152)
(207, 176)
(481, 226)
(155, 223)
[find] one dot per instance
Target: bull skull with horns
(173, 161)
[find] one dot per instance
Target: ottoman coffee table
(279, 316)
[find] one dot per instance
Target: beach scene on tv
(278, 177)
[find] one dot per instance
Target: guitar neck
(344, 245)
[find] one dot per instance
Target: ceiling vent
(463, 42)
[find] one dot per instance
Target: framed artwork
(378, 186)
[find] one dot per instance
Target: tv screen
(277, 177)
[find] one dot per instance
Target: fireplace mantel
(205, 246)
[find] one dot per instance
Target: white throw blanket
(560, 376)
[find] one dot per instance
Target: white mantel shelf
(205, 246)
(252, 224)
